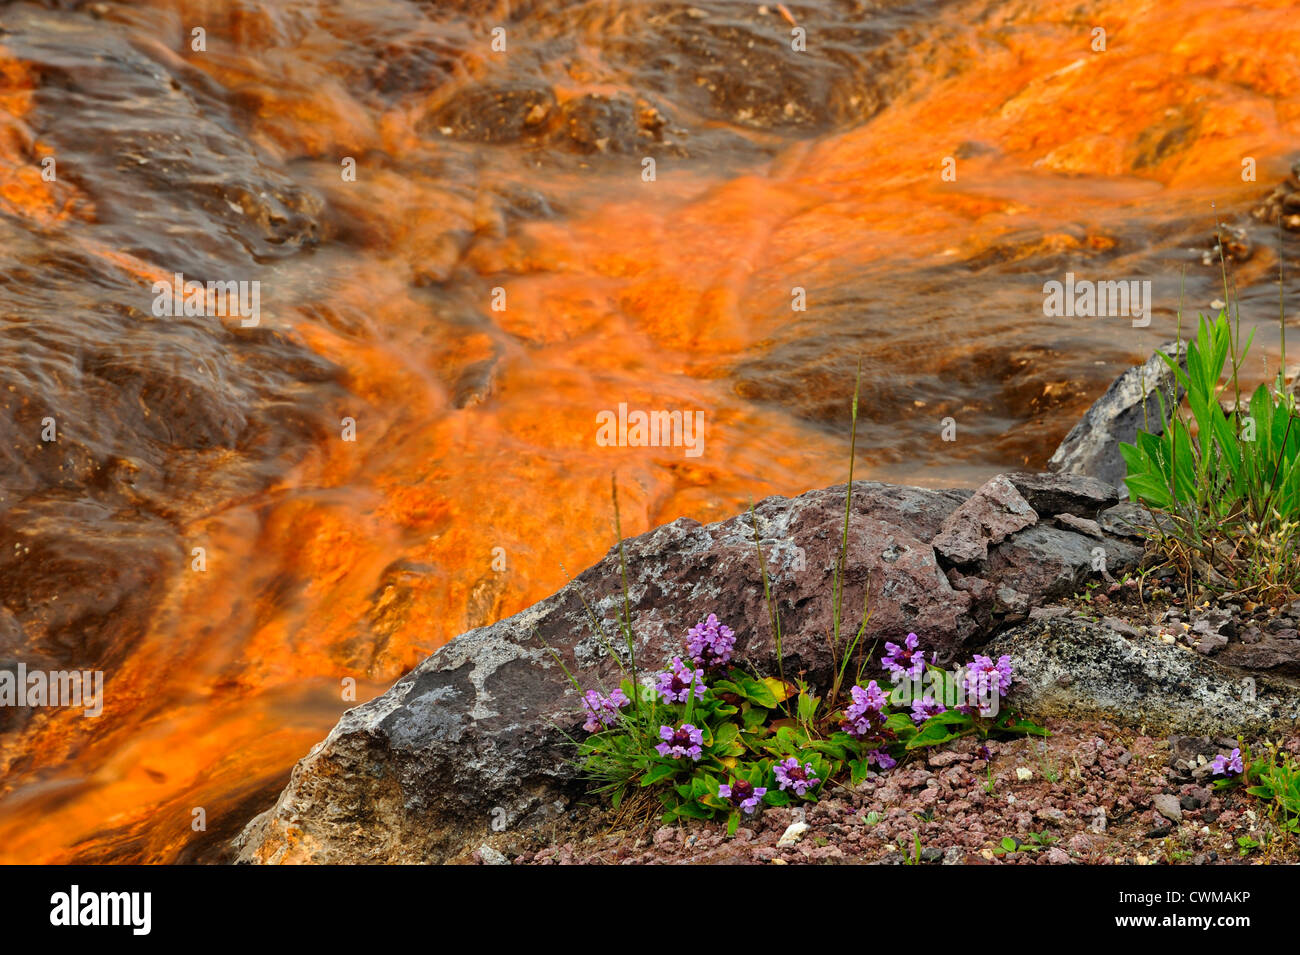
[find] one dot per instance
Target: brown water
(475, 429)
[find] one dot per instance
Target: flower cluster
(742, 794)
(742, 742)
(602, 710)
(682, 742)
(881, 758)
(986, 682)
(905, 662)
(675, 683)
(709, 643)
(865, 716)
(789, 774)
(1228, 765)
(925, 707)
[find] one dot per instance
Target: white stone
(793, 833)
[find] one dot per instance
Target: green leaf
(694, 811)
(658, 773)
(858, 769)
(725, 734)
(807, 707)
(779, 689)
(932, 734)
(758, 692)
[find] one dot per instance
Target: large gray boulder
(479, 732)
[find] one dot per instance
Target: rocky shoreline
(1093, 793)
(468, 757)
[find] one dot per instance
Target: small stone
(1057, 856)
(1121, 626)
(1211, 643)
(1168, 806)
(1012, 600)
(1081, 524)
(945, 758)
(1024, 774)
(489, 856)
(793, 833)
(1047, 613)
(1082, 842)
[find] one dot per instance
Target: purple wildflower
(742, 794)
(602, 710)
(925, 708)
(710, 642)
(905, 661)
(865, 716)
(1227, 765)
(674, 684)
(791, 774)
(881, 758)
(680, 743)
(986, 682)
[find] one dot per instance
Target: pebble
(489, 856)
(1168, 806)
(1120, 626)
(793, 833)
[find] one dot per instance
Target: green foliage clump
(1224, 484)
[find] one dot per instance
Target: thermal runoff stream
(473, 258)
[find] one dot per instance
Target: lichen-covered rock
(1072, 669)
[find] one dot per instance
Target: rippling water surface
(475, 428)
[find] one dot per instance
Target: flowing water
(498, 272)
